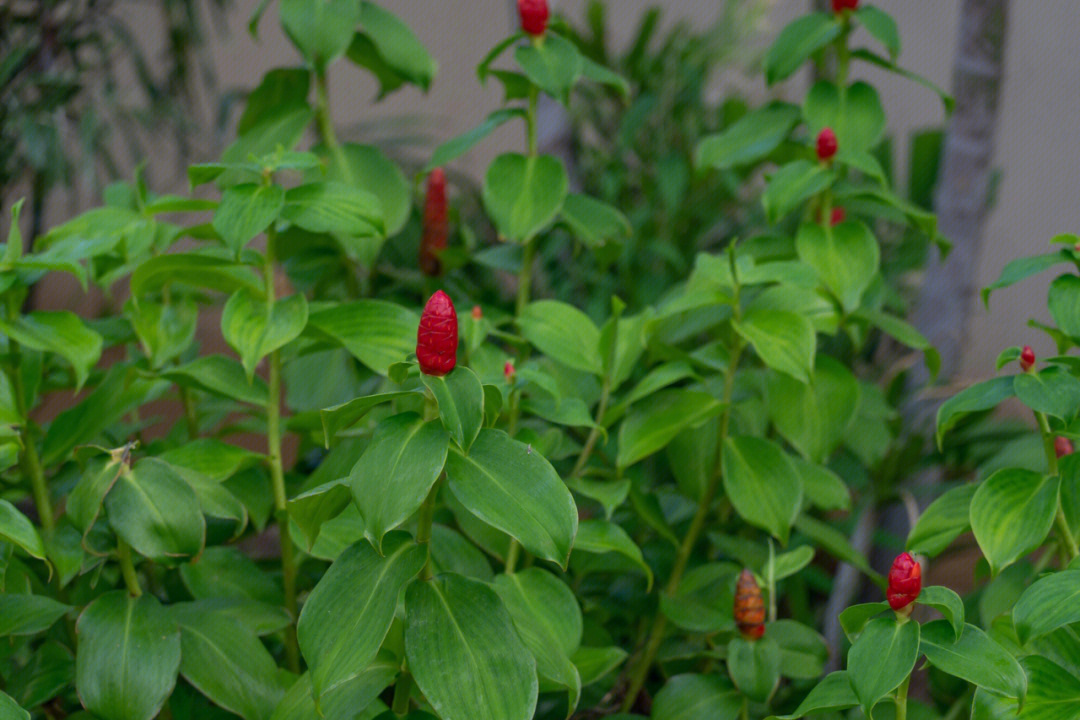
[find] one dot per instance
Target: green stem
(901, 699)
(402, 693)
(127, 568)
(424, 520)
(1062, 522)
(594, 434)
(30, 461)
(525, 275)
(277, 473)
(744, 714)
(530, 120)
(682, 558)
(190, 418)
(512, 555)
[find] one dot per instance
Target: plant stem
(512, 554)
(277, 474)
(31, 463)
(697, 524)
(594, 434)
(190, 418)
(423, 530)
(402, 693)
(528, 256)
(530, 120)
(901, 699)
(744, 714)
(127, 568)
(1069, 540)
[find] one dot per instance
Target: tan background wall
(1037, 149)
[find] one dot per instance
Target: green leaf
(255, 329)
(554, 65)
(153, 509)
(881, 658)
(1047, 604)
(978, 397)
(397, 45)
(834, 692)
(762, 484)
(10, 710)
(1011, 514)
(1064, 302)
(650, 426)
(1023, 268)
(375, 332)
(1053, 691)
(246, 210)
(749, 139)
(858, 121)
(694, 697)
(455, 148)
(854, 618)
(595, 663)
(522, 194)
(803, 651)
(322, 29)
(836, 543)
(221, 376)
(599, 74)
(226, 572)
(128, 657)
(548, 619)
(203, 271)
(213, 458)
(334, 207)
(349, 612)
(946, 602)
(319, 504)
(14, 248)
(693, 455)
(974, 657)
(788, 563)
(548, 323)
(368, 167)
(822, 487)
(227, 663)
(16, 528)
(600, 537)
(906, 334)
(704, 600)
(452, 552)
(845, 257)
(514, 489)
(165, 330)
(28, 614)
(785, 341)
(942, 522)
(593, 222)
(814, 417)
(340, 417)
(464, 653)
(396, 472)
(797, 42)
(1052, 391)
(791, 185)
(281, 87)
(881, 25)
(461, 403)
(59, 332)
(754, 666)
(344, 700)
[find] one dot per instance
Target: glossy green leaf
(16, 528)
(458, 146)
(881, 658)
(1064, 303)
(859, 122)
(460, 397)
(762, 484)
(334, 207)
(156, 512)
(398, 45)
(1053, 691)
(785, 341)
(128, 657)
(650, 426)
(452, 552)
(881, 25)
(693, 697)
(814, 417)
(1053, 391)
(464, 653)
(693, 455)
(213, 458)
(514, 489)
(906, 334)
(226, 572)
(255, 329)
(600, 537)
(803, 651)
(10, 710)
(164, 330)
(553, 65)
(981, 396)
(202, 271)
(321, 30)
(834, 692)
(595, 663)
(355, 695)
(522, 194)
(845, 257)
(1021, 269)
(792, 185)
(321, 503)
(1049, 603)
(222, 376)
(754, 666)
(396, 472)
(341, 417)
(797, 42)
(593, 222)
(258, 617)
(548, 323)
(375, 332)
(855, 617)
(749, 139)
(946, 602)
(822, 487)
(281, 87)
(59, 332)
(704, 600)
(349, 612)
(788, 563)
(246, 210)
(1011, 514)
(368, 167)
(22, 614)
(973, 656)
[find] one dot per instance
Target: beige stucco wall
(1040, 113)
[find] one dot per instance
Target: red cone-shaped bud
(1062, 446)
(1027, 358)
(509, 372)
(437, 337)
(839, 215)
(840, 6)
(534, 16)
(477, 312)
(749, 607)
(905, 582)
(826, 145)
(436, 227)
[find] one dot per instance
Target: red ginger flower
(1027, 358)
(509, 371)
(826, 145)
(437, 337)
(436, 230)
(749, 607)
(1062, 446)
(839, 6)
(534, 16)
(905, 582)
(839, 215)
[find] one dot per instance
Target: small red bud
(509, 371)
(477, 312)
(534, 16)
(826, 145)
(749, 609)
(905, 582)
(839, 215)
(1062, 446)
(839, 6)
(437, 337)
(1027, 358)
(436, 228)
